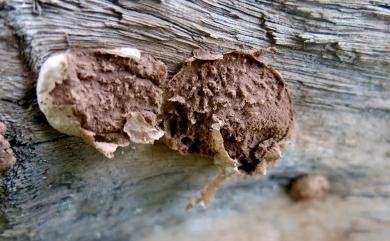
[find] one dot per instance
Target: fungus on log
(334, 57)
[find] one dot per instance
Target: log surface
(335, 56)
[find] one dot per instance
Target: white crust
(123, 52)
(53, 72)
(140, 131)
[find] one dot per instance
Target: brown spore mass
(104, 88)
(245, 95)
(7, 156)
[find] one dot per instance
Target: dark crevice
(195, 147)
(250, 167)
(268, 31)
(186, 141)
(172, 127)
(36, 8)
(59, 138)
(381, 5)
(385, 7)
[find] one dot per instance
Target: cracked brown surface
(245, 95)
(105, 88)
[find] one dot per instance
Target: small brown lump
(7, 156)
(309, 187)
(245, 96)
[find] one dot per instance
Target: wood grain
(335, 58)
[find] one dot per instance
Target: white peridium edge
(61, 118)
(124, 52)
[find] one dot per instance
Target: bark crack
(270, 36)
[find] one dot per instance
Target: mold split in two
(233, 107)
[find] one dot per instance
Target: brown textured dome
(244, 95)
(109, 97)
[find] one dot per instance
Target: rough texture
(309, 187)
(103, 96)
(244, 95)
(7, 156)
(334, 56)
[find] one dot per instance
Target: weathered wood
(335, 57)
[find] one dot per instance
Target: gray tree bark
(335, 58)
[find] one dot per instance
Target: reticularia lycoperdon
(233, 107)
(108, 97)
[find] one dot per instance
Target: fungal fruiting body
(7, 156)
(109, 97)
(232, 107)
(237, 94)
